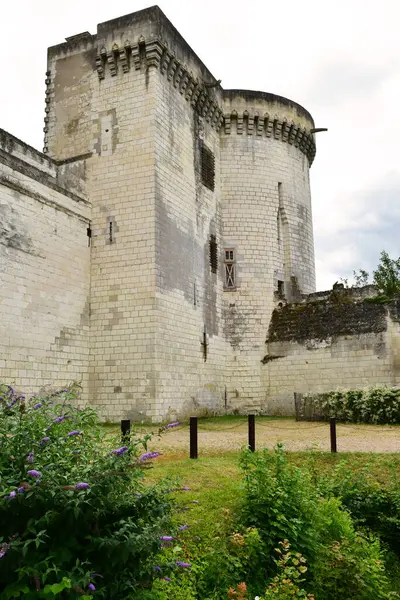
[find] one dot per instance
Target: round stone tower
(267, 148)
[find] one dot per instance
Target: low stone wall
(323, 345)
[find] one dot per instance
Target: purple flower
(21, 489)
(183, 564)
(34, 473)
(12, 403)
(72, 433)
(2, 554)
(167, 579)
(38, 405)
(170, 425)
(167, 538)
(120, 451)
(44, 440)
(186, 489)
(183, 527)
(77, 452)
(30, 457)
(82, 486)
(91, 587)
(12, 494)
(93, 575)
(157, 568)
(149, 455)
(59, 419)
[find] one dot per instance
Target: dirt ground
(219, 435)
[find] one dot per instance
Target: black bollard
(125, 431)
(252, 433)
(333, 434)
(193, 437)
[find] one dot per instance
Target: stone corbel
(190, 87)
(112, 60)
(227, 124)
(292, 133)
(270, 125)
(178, 75)
(250, 125)
(124, 56)
(173, 65)
(195, 95)
(299, 137)
(260, 125)
(100, 61)
(208, 105)
(239, 125)
(135, 56)
(218, 120)
(185, 81)
(277, 128)
(285, 130)
(154, 52)
(165, 60)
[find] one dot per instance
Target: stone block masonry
(158, 292)
(325, 344)
(44, 271)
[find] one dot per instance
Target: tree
(386, 277)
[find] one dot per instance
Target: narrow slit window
(230, 269)
(110, 232)
(213, 254)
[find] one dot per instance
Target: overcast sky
(339, 59)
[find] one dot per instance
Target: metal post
(125, 431)
(252, 433)
(333, 434)
(193, 437)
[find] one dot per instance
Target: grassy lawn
(215, 481)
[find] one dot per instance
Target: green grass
(215, 481)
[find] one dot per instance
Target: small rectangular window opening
(110, 232)
(230, 268)
(281, 290)
(89, 234)
(213, 254)
(207, 167)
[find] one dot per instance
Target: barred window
(207, 167)
(230, 269)
(213, 254)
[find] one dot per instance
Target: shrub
(282, 503)
(377, 405)
(371, 505)
(76, 518)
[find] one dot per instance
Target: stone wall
(324, 345)
(44, 272)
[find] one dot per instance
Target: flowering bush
(371, 405)
(76, 518)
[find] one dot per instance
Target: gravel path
(219, 436)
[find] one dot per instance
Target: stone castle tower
(189, 220)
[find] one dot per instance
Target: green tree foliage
(386, 277)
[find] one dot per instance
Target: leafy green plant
(282, 503)
(76, 517)
(378, 405)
